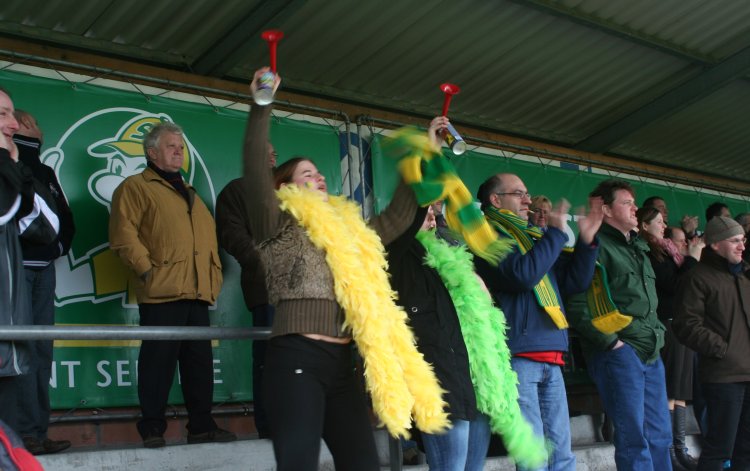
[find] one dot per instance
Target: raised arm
(263, 213)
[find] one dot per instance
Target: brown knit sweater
(299, 281)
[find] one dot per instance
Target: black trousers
(311, 392)
(158, 360)
(728, 430)
(8, 399)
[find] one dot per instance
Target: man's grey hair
(152, 138)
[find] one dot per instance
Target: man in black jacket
(39, 268)
(711, 317)
(233, 233)
(13, 356)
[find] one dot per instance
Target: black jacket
(233, 233)
(433, 319)
(15, 304)
(48, 187)
(667, 274)
(712, 317)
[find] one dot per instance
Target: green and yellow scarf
(604, 313)
(433, 177)
(513, 226)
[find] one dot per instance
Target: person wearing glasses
(712, 319)
(529, 285)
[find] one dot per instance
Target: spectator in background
(14, 303)
(717, 209)
(166, 236)
(623, 359)
(39, 268)
(711, 318)
(23, 215)
(233, 231)
(539, 210)
(743, 219)
(669, 265)
(441, 225)
(658, 203)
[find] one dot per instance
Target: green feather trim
(483, 327)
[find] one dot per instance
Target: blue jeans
(462, 448)
(635, 398)
(33, 388)
(544, 404)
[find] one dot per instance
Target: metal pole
(74, 332)
(396, 454)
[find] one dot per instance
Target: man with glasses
(712, 318)
(529, 284)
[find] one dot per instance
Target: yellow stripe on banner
(105, 343)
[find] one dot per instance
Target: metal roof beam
(221, 56)
(694, 89)
(555, 8)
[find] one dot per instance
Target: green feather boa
(483, 328)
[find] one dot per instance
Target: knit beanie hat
(721, 228)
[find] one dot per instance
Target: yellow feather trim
(402, 384)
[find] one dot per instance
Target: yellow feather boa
(400, 381)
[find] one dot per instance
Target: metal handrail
(105, 332)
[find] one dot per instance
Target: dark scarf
(174, 179)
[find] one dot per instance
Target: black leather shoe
(218, 435)
(44, 447)
(33, 445)
(154, 441)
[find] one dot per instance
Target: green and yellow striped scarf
(433, 178)
(604, 313)
(513, 226)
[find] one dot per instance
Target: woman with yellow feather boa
(325, 272)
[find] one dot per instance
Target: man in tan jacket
(165, 234)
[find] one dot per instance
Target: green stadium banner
(91, 140)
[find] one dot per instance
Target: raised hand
(434, 131)
(256, 76)
(558, 217)
(589, 224)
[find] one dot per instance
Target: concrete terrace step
(255, 455)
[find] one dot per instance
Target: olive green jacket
(632, 285)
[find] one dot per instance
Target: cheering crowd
(460, 314)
